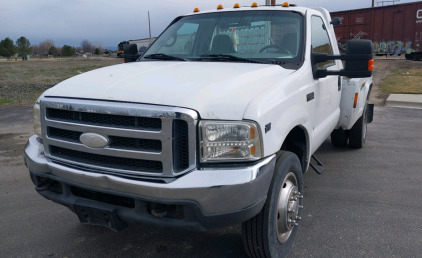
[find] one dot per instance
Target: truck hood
(216, 90)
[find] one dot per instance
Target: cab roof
(298, 9)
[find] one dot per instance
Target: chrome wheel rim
(288, 207)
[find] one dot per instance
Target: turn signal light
(252, 132)
(355, 102)
(196, 10)
(254, 4)
(236, 5)
(370, 64)
(219, 7)
(286, 4)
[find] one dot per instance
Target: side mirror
(130, 53)
(359, 68)
(335, 21)
(358, 57)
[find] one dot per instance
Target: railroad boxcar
(394, 29)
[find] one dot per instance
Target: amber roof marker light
(285, 4)
(196, 10)
(219, 7)
(236, 5)
(254, 4)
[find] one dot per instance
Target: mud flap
(370, 113)
(100, 216)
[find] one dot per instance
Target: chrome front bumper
(238, 191)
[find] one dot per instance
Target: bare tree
(87, 47)
(98, 48)
(44, 46)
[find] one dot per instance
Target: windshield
(272, 37)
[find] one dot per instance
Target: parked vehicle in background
(141, 45)
(394, 29)
(120, 48)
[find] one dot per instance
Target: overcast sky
(107, 22)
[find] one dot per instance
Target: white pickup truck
(213, 125)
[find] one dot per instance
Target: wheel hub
(288, 208)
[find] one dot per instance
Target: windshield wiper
(222, 57)
(161, 56)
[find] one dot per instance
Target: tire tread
(254, 231)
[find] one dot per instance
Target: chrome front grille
(143, 140)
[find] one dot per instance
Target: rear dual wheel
(272, 232)
(339, 137)
(356, 135)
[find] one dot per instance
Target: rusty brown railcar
(394, 29)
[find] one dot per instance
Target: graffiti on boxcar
(419, 14)
(392, 47)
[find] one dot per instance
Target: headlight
(37, 119)
(229, 141)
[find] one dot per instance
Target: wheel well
(296, 142)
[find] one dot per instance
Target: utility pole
(373, 3)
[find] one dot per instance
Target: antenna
(149, 25)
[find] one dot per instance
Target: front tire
(272, 232)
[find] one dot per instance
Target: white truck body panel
(204, 87)
(349, 114)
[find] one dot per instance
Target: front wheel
(272, 232)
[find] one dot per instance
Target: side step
(319, 167)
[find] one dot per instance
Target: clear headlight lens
(229, 141)
(37, 119)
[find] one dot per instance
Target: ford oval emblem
(94, 140)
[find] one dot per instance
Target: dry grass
(49, 71)
(21, 82)
(407, 81)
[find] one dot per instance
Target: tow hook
(43, 185)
